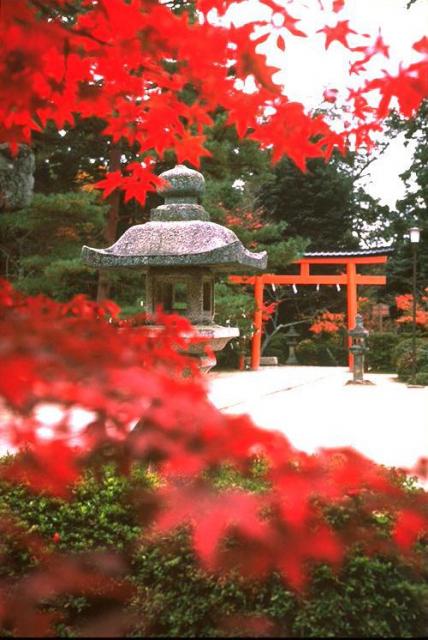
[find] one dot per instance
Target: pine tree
(412, 210)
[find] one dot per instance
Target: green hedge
(368, 597)
(381, 350)
(403, 359)
(324, 351)
(278, 347)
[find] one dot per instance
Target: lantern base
(203, 342)
(214, 337)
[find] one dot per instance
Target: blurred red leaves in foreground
(78, 355)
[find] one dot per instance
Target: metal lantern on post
(415, 236)
(292, 338)
(358, 348)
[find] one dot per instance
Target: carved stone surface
(182, 185)
(179, 211)
(194, 279)
(265, 361)
(16, 178)
(178, 234)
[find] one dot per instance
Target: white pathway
(314, 408)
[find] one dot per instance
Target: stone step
(265, 361)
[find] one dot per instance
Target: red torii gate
(350, 278)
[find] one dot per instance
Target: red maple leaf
(404, 87)
(408, 526)
(288, 21)
(112, 181)
(190, 148)
(422, 45)
(250, 62)
(338, 33)
(338, 5)
(377, 48)
(290, 24)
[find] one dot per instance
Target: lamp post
(415, 236)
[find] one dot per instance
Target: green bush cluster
(369, 597)
(387, 352)
(174, 596)
(228, 358)
(329, 351)
(402, 359)
(278, 347)
(380, 353)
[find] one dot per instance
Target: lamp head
(415, 235)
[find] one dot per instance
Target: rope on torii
(350, 278)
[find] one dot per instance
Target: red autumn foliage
(338, 33)
(404, 303)
(138, 380)
(250, 220)
(129, 63)
(268, 310)
(327, 322)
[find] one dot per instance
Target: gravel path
(314, 408)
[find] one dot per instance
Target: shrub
(98, 515)
(228, 358)
(174, 597)
(278, 347)
(370, 597)
(422, 378)
(403, 357)
(325, 351)
(380, 353)
(307, 352)
(404, 346)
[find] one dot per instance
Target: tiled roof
(380, 251)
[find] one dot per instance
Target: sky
(306, 69)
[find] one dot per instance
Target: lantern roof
(359, 331)
(178, 234)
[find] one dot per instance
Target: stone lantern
(292, 338)
(358, 348)
(180, 251)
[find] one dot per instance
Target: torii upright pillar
(256, 342)
(351, 279)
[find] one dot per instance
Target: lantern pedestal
(214, 338)
(203, 343)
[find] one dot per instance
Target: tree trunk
(16, 178)
(110, 229)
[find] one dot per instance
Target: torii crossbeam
(349, 278)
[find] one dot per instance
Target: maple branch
(78, 32)
(383, 147)
(283, 325)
